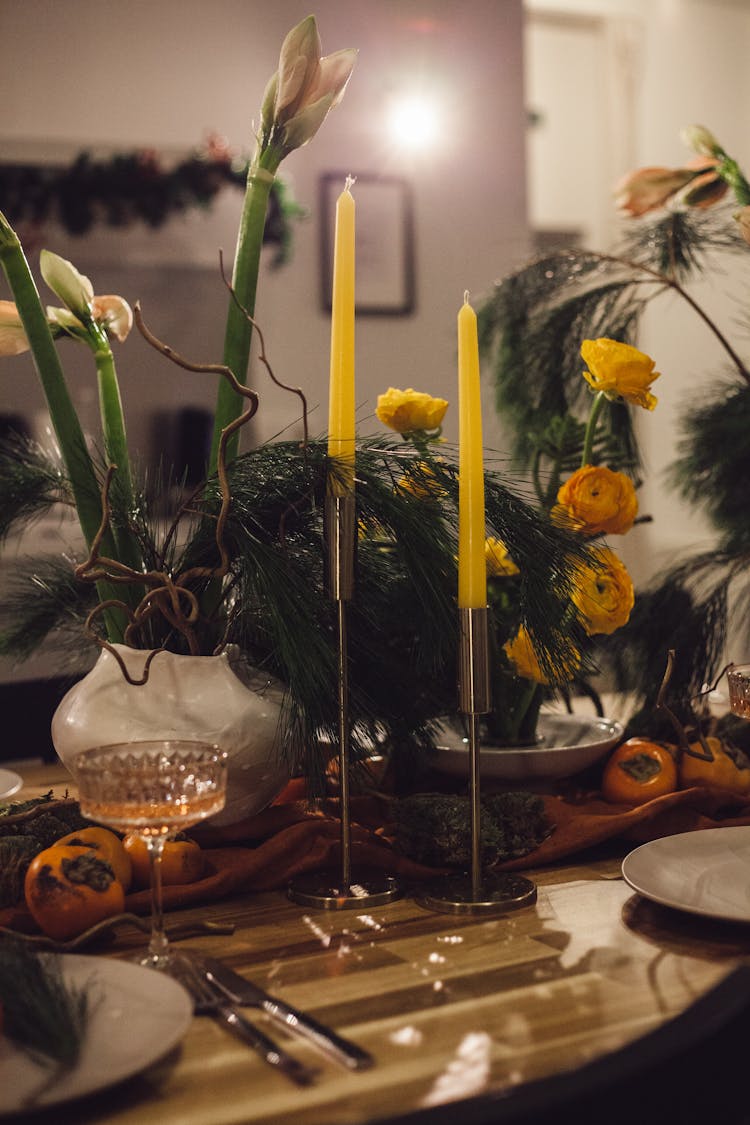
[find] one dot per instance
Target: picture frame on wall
(385, 268)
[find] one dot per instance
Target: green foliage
(719, 424)
(29, 483)
(402, 623)
(42, 1013)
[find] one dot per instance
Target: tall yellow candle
(341, 389)
(472, 568)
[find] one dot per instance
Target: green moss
(435, 829)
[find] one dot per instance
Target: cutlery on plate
(212, 1001)
(244, 992)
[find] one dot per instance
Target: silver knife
(242, 991)
(209, 999)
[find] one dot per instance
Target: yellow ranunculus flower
(409, 410)
(603, 593)
(520, 651)
(598, 500)
(619, 371)
(499, 562)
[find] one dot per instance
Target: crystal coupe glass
(153, 790)
(738, 677)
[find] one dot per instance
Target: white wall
(668, 63)
(163, 73)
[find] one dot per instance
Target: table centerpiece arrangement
(235, 573)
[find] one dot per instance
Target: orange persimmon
(638, 771)
(730, 768)
(67, 890)
(104, 844)
(182, 861)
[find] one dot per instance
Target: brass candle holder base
(323, 890)
(496, 894)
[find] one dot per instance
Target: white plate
(569, 743)
(10, 783)
(704, 872)
(137, 1016)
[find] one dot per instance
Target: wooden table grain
(449, 1006)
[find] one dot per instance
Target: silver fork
(209, 1000)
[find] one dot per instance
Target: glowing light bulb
(414, 121)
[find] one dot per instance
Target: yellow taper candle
(341, 390)
(472, 568)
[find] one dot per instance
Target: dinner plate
(10, 783)
(567, 744)
(137, 1015)
(703, 872)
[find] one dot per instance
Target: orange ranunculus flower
(522, 655)
(619, 371)
(409, 410)
(603, 593)
(499, 562)
(598, 500)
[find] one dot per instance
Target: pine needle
(42, 1013)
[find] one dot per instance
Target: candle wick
(466, 296)
(350, 182)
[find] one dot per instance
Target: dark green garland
(134, 187)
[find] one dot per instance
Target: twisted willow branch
(167, 595)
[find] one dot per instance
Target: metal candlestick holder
(475, 892)
(326, 890)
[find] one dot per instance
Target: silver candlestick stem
(320, 889)
(475, 892)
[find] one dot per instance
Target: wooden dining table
(450, 1006)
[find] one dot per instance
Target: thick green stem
(588, 441)
(75, 454)
(116, 449)
(113, 423)
(238, 333)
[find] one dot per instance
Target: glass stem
(158, 945)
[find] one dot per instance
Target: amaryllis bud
(304, 88)
(701, 140)
(73, 289)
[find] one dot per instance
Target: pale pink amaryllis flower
(13, 340)
(649, 188)
(83, 309)
(85, 312)
(304, 88)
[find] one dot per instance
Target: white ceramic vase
(210, 698)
